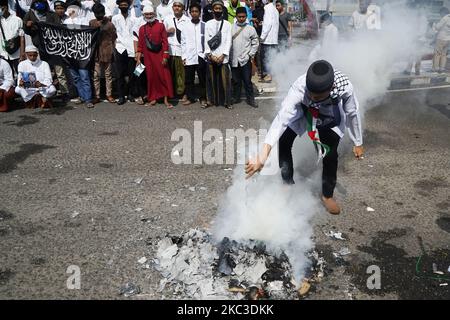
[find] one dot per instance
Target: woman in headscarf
(153, 45)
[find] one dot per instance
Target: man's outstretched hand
(358, 151)
(253, 166)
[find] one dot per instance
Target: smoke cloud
(262, 208)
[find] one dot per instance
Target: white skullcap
(31, 48)
(179, 2)
(148, 9)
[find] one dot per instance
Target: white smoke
(263, 208)
(367, 57)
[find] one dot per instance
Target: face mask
(165, 2)
(35, 62)
(241, 24)
(195, 20)
(218, 15)
(123, 10)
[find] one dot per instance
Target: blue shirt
(249, 15)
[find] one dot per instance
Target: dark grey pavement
(69, 194)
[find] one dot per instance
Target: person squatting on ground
(6, 85)
(323, 103)
(34, 81)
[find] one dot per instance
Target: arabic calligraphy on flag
(72, 45)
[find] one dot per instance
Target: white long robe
(42, 71)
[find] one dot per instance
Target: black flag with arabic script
(72, 45)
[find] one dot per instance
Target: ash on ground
(194, 267)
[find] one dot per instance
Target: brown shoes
(331, 205)
(111, 99)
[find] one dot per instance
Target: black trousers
(239, 75)
(14, 66)
(189, 78)
(330, 162)
(124, 67)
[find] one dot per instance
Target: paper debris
(435, 270)
(138, 180)
(343, 252)
(74, 214)
(369, 209)
(335, 235)
(129, 290)
(142, 260)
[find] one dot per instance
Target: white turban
(148, 9)
(31, 48)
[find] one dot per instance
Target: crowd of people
(145, 54)
(148, 53)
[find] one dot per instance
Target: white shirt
(12, 26)
(110, 7)
(271, 24)
(6, 75)
(174, 45)
(162, 11)
(86, 9)
(80, 21)
(131, 11)
(443, 28)
(211, 29)
(124, 29)
(291, 113)
(358, 21)
(191, 42)
(373, 21)
(23, 4)
(139, 23)
(330, 37)
(41, 69)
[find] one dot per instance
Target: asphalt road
(69, 192)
